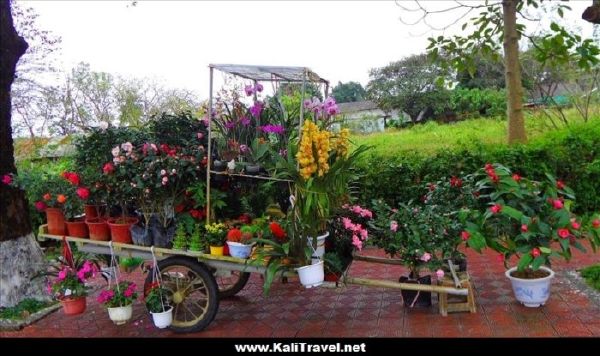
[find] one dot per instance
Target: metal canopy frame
(257, 73)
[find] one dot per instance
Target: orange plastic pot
(56, 221)
(73, 306)
(98, 229)
(94, 211)
(77, 229)
(119, 229)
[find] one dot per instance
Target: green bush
(572, 156)
(592, 276)
(480, 102)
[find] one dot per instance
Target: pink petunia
(356, 242)
(364, 234)
(394, 225)
(426, 257)
(62, 274)
(439, 274)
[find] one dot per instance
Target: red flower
(488, 166)
(179, 207)
(7, 179)
(40, 205)
(560, 184)
(496, 208)
(47, 196)
(431, 187)
(83, 193)
(72, 177)
(524, 228)
(277, 231)
(535, 252)
(245, 218)
(465, 235)
(563, 233)
(234, 235)
(108, 168)
(516, 177)
(596, 223)
(456, 182)
(196, 214)
(557, 204)
(575, 225)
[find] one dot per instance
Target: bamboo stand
(456, 303)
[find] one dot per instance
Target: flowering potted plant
(76, 195)
(158, 304)
(410, 233)
(215, 235)
(118, 300)
(348, 232)
(69, 286)
(530, 220)
(240, 240)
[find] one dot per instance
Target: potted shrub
(159, 306)
(215, 235)
(532, 221)
(239, 240)
(69, 285)
(197, 242)
(73, 206)
(118, 300)
(349, 231)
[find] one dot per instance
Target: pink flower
(439, 274)
(249, 90)
(81, 275)
(557, 204)
(516, 177)
(394, 225)
(364, 234)
(348, 225)
(575, 225)
(105, 296)
(200, 135)
(496, 208)
(40, 205)
(524, 228)
(83, 193)
(49, 288)
(7, 179)
(163, 172)
(115, 151)
(165, 180)
(426, 257)
(127, 147)
(535, 252)
(356, 242)
(596, 223)
(258, 87)
(108, 168)
(128, 293)
(465, 235)
(560, 184)
(563, 233)
(62, 274)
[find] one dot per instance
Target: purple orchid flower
(276, 129)
(258, 87)
(245, 121)
(229, 125)
(249, 90)
(256, 109)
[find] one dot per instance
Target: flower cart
(193, 277)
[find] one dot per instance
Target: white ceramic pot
(239, 250)
(120, 315)
(320, 248)
(312, 275)
(164, 319)
(531, 292)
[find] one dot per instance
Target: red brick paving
(354, 311)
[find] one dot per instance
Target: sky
(174, 41)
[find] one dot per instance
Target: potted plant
(215, 235)
(349, 231)
(73, 206)
(118, 300)
(240, 240)
(333, 266)
(159, 306)
(180, 241)
(530, 220)
(69, 285)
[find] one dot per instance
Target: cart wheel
(194, 293)
(230, 282)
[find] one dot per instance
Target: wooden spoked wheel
(230, 282)
(193, 292)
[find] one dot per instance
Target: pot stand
(455, 303)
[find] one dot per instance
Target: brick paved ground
(353, 311)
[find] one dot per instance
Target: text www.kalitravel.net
(300, 347)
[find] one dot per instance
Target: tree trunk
(592, 13)
(512, 71)
(20, 255)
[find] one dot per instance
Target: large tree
(502, 22)
(348, 92)
(20, 255)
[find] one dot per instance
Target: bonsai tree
(180, 240)
(196, 241)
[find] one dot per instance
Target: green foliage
(348, 92)
(25, 308)
(333, 263)
(480, 102)
(180, 239)
(157, 299)
(197, 243)
(592, 276)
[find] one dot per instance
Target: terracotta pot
(73, 306)
(56, 221)
(94, 211)
(98, 229)
(119, 229)
(77, 228)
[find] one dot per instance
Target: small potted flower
(238, 240)
(157, 302)
(215, 235)
(69, 286)
(119, 300)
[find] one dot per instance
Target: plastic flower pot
(320, 248)
(164, 319)
(162, 236)
(253, 169)
(77, 228)
(119, 229)
(94, 211)
(216, 250)
(312, 275)
(56, 221)
(531, 292)
(120, 315)
(239, 250)
(98, 229)
(413, 298)
(73, 306)
(141, 234)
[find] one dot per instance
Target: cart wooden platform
(198, 280)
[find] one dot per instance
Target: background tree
(20, 255)
(488, 73)
(311, 90)
(349, 92)
(408, 85)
